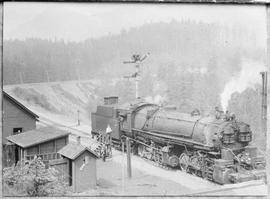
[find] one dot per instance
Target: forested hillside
(184, 44)
(189, 64)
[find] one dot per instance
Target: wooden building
(42, 142)
(81, 163)
(16, 119)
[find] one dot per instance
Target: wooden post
(264, 104)
(78, 118)
(24, 155)
(123, 166)
(128, 158)
(137, 81)
(47, 74)
(21, 150)
(54, 155)
(21, 78)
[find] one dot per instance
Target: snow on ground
(76, 88)
(193, 182)
(111, 183)
(252, 190)
(63, 98)
(149, 180)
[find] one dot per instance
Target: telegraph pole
(78, 69)
(128, 158)
(123, 166)
(264, 103)
(137, 60)
(48, 78)
(79, 118)
(137, 81)
(21, 78)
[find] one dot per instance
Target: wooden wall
(50, 147)
(15, 117)
(61, 165)
(87, 177)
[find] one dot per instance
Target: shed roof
(73, 150)
(19, 104)
(37, 136)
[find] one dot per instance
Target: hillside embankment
(58, 102)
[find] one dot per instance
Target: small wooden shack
(16, 119)
(81, 166)
(42, 142)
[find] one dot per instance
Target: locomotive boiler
(215, 148)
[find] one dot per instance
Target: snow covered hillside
(58, 102)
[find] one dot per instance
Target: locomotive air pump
(137, 60)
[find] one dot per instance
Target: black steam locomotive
(215, 148)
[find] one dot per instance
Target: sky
(80, 21)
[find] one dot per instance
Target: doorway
(70, 172)
(16, 150)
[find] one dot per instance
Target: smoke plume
(248, 77)
(158, 99)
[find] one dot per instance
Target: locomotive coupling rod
(140, 142)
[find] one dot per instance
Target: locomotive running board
(175, 140)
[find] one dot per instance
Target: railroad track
(158, 165)
(47, 121)
(239, 189)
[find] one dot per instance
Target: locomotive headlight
(247, 158)
(248, 161)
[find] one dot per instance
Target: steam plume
(248, 77)
(158, 99)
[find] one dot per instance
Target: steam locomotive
(211, 147)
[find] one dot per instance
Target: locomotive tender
(214, 148)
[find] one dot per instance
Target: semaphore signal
(137, 60)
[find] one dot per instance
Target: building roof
(73, 150)
(24, 108)
(37, 136)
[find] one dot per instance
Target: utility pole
(78, 74)
(137, 81)
(48, 78)
(22, 65)
(128, 158)
(78, 70)
(137, 60)
(79, 118)
(123, 166)
(21, 79)
(264, 103)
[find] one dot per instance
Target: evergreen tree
(33, 179)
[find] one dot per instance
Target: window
(228, 138)
(60, 143)
(86, 159)
(47, 147)
(17, 131)
(244, 137)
